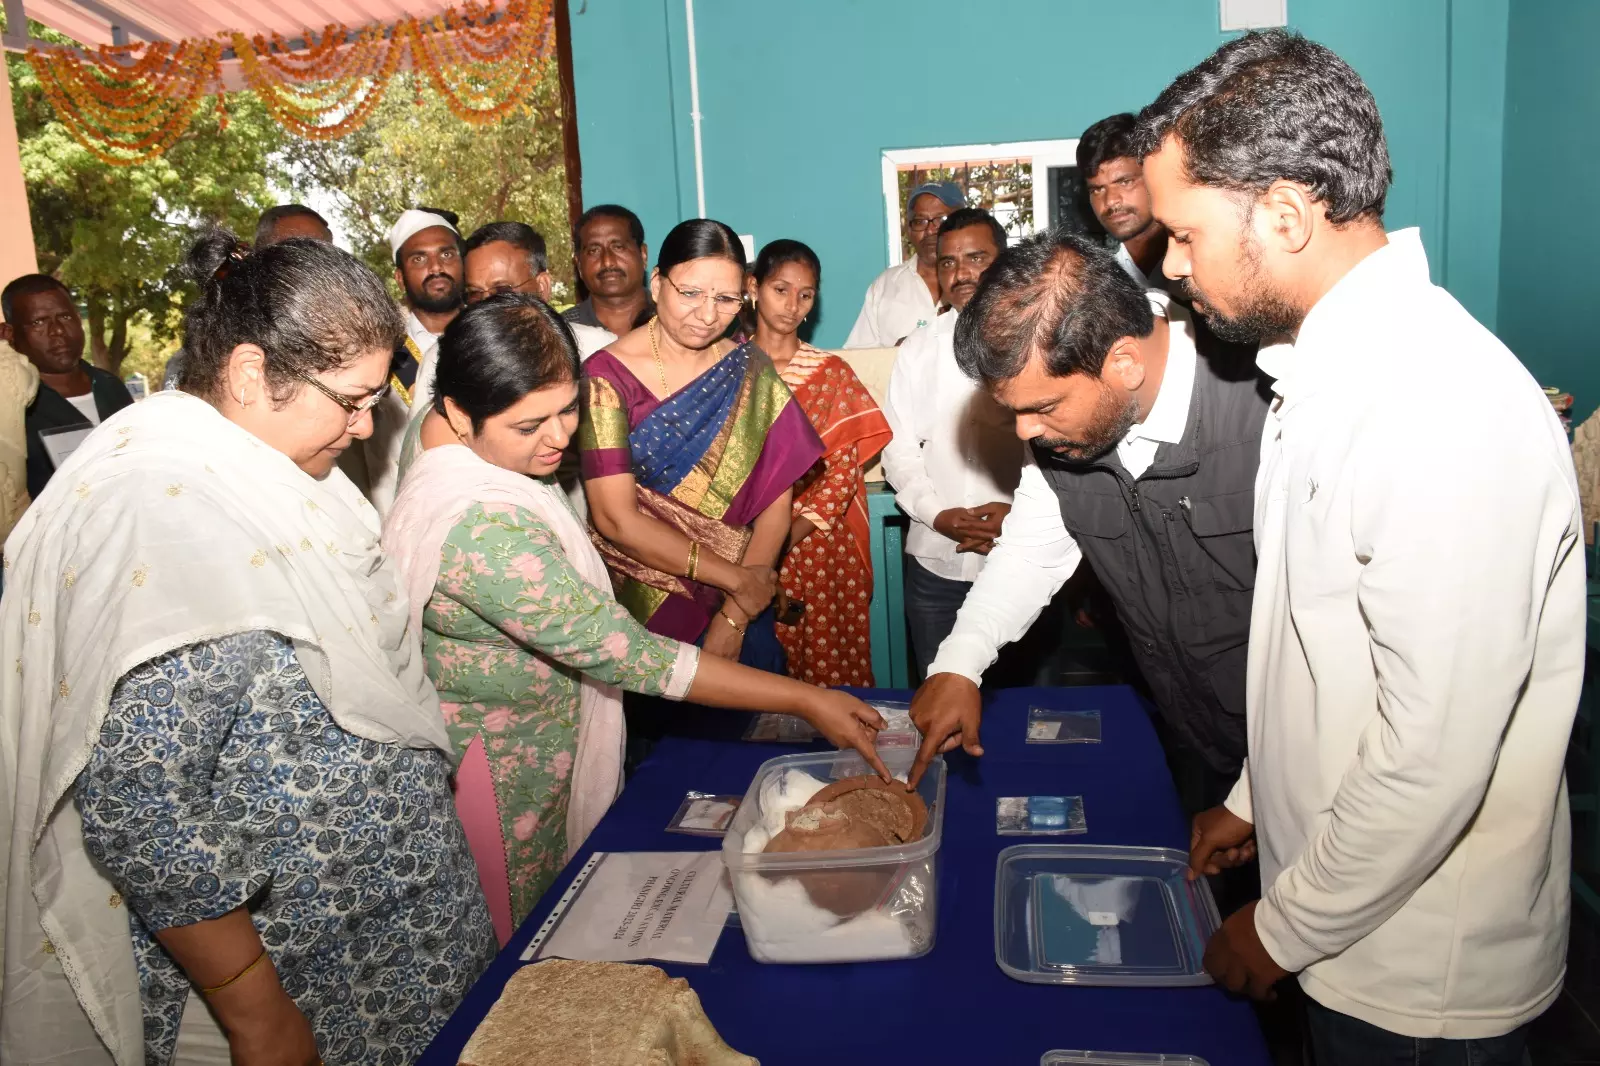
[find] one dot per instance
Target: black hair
(1059, 294)
(1274, 106)
(498, 350)
(974, 216)
(519, 235)
(444, 213)
(1110, 138)
(635, 227)
(775, 254)
(308, 305)
(273, 215)
(27, 285)
(699, 238)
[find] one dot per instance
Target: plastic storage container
(1086, 914)
(881, 901)
(1116, 1058)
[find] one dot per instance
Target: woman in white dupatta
(529, 648)
(231, 779)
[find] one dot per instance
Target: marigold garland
(128, 104)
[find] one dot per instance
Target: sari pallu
(707, 460)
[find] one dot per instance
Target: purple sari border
(792, 448)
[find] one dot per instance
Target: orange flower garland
(128, 104)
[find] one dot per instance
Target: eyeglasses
(921, 222)
(354, 408)
(476, 295)
(694, 299)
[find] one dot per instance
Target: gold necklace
(655, 350)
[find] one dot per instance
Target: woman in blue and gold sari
(690, 448)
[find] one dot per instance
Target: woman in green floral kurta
(522, 634)
(506, 589)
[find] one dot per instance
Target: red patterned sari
(831, 570)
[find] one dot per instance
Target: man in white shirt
(428, 268)
(904, 298)
(502, 257)
(954, 460)
(1111, 172)
(1417, 635)
(1143, 461)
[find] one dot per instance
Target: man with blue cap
(905, 297)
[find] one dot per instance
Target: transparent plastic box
(881, 902)
(1087, 914)
(1117, 1058)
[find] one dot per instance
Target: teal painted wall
(799, 100)
(1552, 147)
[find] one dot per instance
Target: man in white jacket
(1417, 632)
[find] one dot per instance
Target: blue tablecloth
(953, 1005)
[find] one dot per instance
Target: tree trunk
(95, 301)
(117, 350)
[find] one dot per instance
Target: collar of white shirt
(420, 335)
(1294, 366)
(1169, 415)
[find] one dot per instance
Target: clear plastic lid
(1087, 914)
(1117, 1058)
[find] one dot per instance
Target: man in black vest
(1144, 454)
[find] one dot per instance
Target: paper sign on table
(664, 905)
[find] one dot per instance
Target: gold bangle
(694, 561)
(737, 628)
(218, 988)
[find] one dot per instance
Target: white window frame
(1041, 155)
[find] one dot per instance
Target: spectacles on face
(920, 223)
(354, 408)
(695, 299)
(475, 295)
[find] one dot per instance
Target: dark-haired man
(284, 221)
(905, 297)
(1109, 163)
(42, 323)
(612, 261)
(953, 461)
(426, 244)
(1417, 639)
(503, 257)
(1143, 461)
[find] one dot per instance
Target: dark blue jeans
(932, 603)
(1340, 1040)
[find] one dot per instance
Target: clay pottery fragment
(912, 803)
(827, 827)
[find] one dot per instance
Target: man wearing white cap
(428, 268)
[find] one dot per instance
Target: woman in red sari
(827, 566)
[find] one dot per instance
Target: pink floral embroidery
(616, 646)
(527, 567)
(497, 720)
(451, 712)
(561, 765)
(525, 825)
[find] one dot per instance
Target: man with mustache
(426, 245)
(42, 323)
(1120, 202)
(612, 260)
(953, 461)
(1143, 461)
(904, 298)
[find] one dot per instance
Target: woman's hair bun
(210, 250)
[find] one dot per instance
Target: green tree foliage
(415, 151)
(118, 235)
